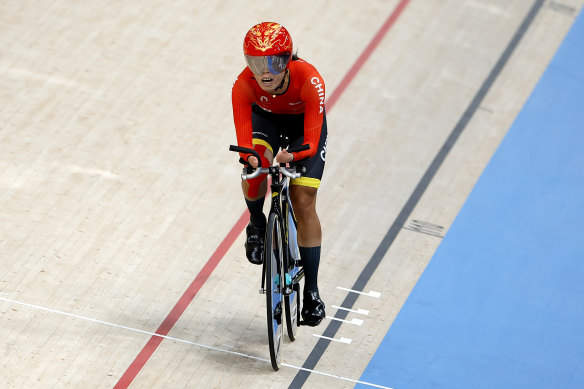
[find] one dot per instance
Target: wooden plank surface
(117, 187)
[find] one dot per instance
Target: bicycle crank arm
(298, 276)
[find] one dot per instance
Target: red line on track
(182, 303)
(188, 296)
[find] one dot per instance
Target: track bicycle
(281, 270)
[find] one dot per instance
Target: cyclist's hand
(253, 161)
(284, 157)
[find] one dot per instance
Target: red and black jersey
(305, 95)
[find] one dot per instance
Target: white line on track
(342, 340)
(357, 322)
(370, 294)
(185, 341)
(360, 311)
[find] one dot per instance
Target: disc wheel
(274, 295)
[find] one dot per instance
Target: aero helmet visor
(274, 64)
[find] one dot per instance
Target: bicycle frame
(281, 266)
(282, 207)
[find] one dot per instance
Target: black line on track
(333, 327)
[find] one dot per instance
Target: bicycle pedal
(262, 291)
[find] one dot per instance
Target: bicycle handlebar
(259, 170)
(248, 151)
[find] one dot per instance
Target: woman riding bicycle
(278, 101)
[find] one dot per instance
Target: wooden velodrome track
(120, 208)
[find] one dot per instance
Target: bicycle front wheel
(274, 289)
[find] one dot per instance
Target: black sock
(310, 260)
(256, 212)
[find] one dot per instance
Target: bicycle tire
(274, 295)
(292, 307)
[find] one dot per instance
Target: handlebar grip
(245, 150)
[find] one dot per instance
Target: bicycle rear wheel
(292, 300)
(274, 288)
(292, 307)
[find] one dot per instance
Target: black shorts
(277, 131)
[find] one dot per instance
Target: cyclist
(278, 101)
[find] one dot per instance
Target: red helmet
(267, 47)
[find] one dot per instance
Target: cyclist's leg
(309, 244)
(265, 141)
(304, 203)
(303, 193)
(309, 231)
